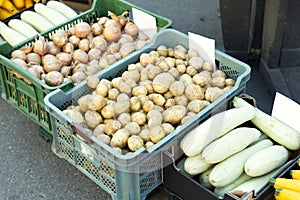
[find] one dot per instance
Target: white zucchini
(227, 171)
(229, 144)
(266, 160)
(37, 21)
(180, 166)
(52, 15)
(22, 27)
(204, 180)
(274, 128)
(214, 127)
(255, 183)
(11, 36)
(62, 8)
(220, 191)
(195, 165)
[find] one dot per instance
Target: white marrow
(204, 180)
(62, 8)
(11, 36)
(52, 15)
(22, 27)
(214, 127)
(229, 144)
(274, 128)
(37, 21)
(227, 171)
(266, 160)
(195, 165)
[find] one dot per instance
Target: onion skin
(82, 29)
(40, 46)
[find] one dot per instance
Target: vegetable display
(147, 101)
(82, 50)
(242, 158)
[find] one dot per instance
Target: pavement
(28, 167)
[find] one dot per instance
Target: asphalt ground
(28, 167)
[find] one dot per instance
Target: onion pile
(80, 51)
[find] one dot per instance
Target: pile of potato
(150, 99)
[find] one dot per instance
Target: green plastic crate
(134, 176)
(29, 99)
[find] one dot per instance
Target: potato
(212, 93)
(143, 98)
(190, 70)
(218, 73)
(92, 118)
(92, 81)
(185, 119)
(181, 68)
(168, 95)
(157, 99)
(96, 102)
(104, 138)
(145, 134)
(170, 52)
(162, 82)
(75, 115)
(162, 50)
(181, 100)
(133, 67)
(139, 118)
(124, 118)
(131, 75)
(186, 79)
(115, 82)
(135, 104)
(121, 107)
(111, 127)
(124, 87)
(229, 82)
(218, 81)
(194, 91)
(135, 142)
(169, 103)
(148, 85)
(149, 144)
(203, 78)
(133, 128)
(131, 83)
(146, 58)
(163, 65)
(177, 88)
(168, 128)
(144, 74)
(157, 133)
(192, 53)
(83, 102)
(227, 88)
(180, 62)
(107, 112)
(174, 114)
(180, 52)
(152, 71)
(99, 130)
(208, 66)
(197, 105)
(123, 97)
(113, 93)
(147, 106)
(154, 118)
(170, 61)
(119, 139)
(174, 72)
(139, 90)
(196, 62)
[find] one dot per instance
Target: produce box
(29, 98)
(131, 176)
(180, 185)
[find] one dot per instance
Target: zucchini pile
(32, 22)
(228, 156)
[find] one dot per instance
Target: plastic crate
(29, 99)
(141, 171)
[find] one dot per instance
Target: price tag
(145, 22)
(286, 110)
(205, 46)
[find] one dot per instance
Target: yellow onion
(97, 29)
(73, 39)
(51, 64)
(84, 44)
(18, 54)
(54, 78)
(99, 42)
(26, 48)
(78, 77)
(60, 38)
(33, 58)
(64, 58)
(52, 48)
(131, 29)
(94, 54)
(112, 30)
(65, 71)
(20, 62)
(82, 29)
(80, 56)
(34, 72)
(68, 48)
(40, 46)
